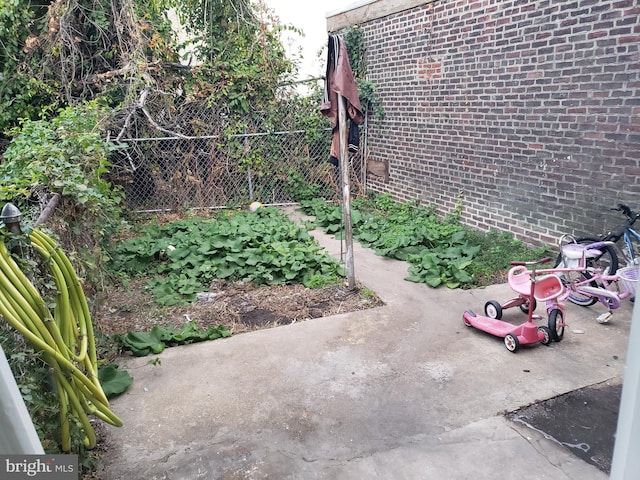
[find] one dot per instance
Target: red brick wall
(528, 109)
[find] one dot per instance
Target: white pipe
(17, 434)
(625, 464)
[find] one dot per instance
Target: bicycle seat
(574, 251)
(574, 254)
(519, 279)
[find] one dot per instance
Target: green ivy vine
(367, 90)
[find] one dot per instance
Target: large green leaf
(141, 344)
(113, 380)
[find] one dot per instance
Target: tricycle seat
(548, 287)
(520, 280)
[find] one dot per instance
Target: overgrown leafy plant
(439, 251)
(67, 155)
(22, 95)
(497, 249)
(445, 263)
(114, 380)
(184, 257)
(367, 90)
(141, 344)
(66, 52)
(242, 57)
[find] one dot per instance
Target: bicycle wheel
(630, 250)
(583, 299)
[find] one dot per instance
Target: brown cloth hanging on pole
(339, 81)
(342, 106)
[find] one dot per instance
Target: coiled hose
(65, 337)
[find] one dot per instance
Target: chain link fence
(196, 155)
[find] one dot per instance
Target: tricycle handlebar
(535, 262)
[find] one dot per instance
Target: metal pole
(363, 156)
(250, 182)
(343, 132)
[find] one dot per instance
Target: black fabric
(354, 136)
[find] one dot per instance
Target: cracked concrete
(404, 391)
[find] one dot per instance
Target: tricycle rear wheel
(529, 305)
(493, 309)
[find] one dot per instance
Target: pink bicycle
(586, 283)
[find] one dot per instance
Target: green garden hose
(64, 336)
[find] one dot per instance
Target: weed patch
(439, 251)
(184, 257)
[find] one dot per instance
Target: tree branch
(48, 210)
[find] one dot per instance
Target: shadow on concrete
(584, 421)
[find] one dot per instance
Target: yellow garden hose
(64, 336)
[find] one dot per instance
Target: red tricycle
(530, 288)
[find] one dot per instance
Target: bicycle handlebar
(535, 262)
(627, 212)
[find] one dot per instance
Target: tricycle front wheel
(556, 324)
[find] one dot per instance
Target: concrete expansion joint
(535, 443)
(337, 461)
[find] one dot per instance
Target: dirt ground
(239, 306)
